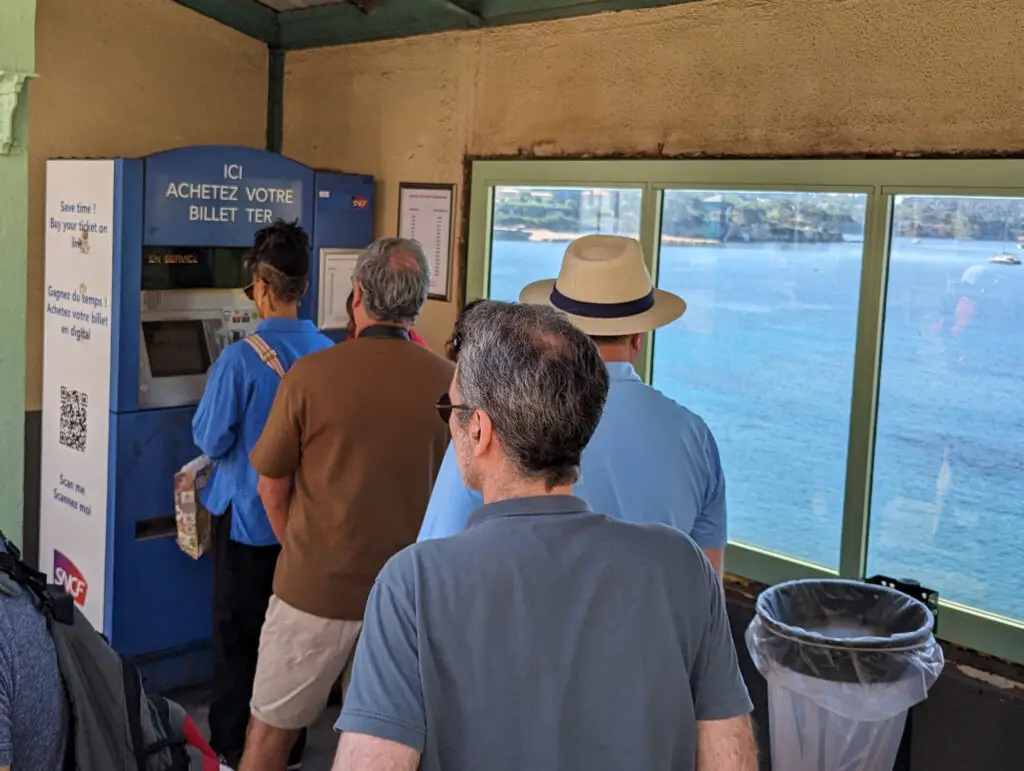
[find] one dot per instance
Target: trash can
(844, 662)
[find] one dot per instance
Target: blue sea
(765, 355)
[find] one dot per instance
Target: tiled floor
(322, 740)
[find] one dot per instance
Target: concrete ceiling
(297, 24)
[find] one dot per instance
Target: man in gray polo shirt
(545, 637)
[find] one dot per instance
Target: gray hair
(394, 275)
(540, 380)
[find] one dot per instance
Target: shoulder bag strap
(267, 354)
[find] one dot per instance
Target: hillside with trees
(723, 217)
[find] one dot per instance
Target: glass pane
(765, 352)
(532, 226)
(947, 505)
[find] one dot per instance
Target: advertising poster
(76, 379)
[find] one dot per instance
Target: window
(533, 225)
(854, 339)
(765, 350)
(948, 487)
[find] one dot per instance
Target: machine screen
(193, 268)
(176, 348)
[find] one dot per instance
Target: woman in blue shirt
(239, 392)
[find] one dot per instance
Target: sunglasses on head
(249, 269)
(444, 407)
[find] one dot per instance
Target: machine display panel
(192, 267)
(176, 348)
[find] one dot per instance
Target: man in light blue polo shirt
(651, 460)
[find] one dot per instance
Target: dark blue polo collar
(534, 506)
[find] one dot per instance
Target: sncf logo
(65, 574)
(359, 203)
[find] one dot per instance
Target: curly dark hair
(280, 257)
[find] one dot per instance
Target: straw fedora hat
(605, 289)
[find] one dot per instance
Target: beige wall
(128, 78)
(730, 77)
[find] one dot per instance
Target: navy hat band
(602, 310)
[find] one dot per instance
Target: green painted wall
(17, 54)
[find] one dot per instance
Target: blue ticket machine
(144, 273)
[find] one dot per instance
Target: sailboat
(1004, 259)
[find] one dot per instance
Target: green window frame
(881, 181)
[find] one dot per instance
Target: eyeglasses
(249, 269)
(444, 407)
(456, 344)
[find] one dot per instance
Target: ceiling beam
(343, 23)
(507, 12)
(328, 25)
(247, 16)
(474, 19)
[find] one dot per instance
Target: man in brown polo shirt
(356, 428)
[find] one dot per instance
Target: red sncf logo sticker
(359, 203)
(65, 574)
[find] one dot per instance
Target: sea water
(765, 354)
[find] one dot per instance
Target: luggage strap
(267, 354)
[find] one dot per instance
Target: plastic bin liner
(844, 661)
(862, 651)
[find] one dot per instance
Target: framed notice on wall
(426, 213)
(336, 266)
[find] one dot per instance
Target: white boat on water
(1004, 259)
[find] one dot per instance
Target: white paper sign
(76, 379)
(425, 215)
(336, 266)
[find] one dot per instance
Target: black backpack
(113, 724)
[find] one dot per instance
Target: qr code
(74, 407)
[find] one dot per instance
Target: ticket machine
(144, 274)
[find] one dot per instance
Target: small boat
(1004, 259)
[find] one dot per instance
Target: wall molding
(11, 86)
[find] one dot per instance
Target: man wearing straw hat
(651, 459)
